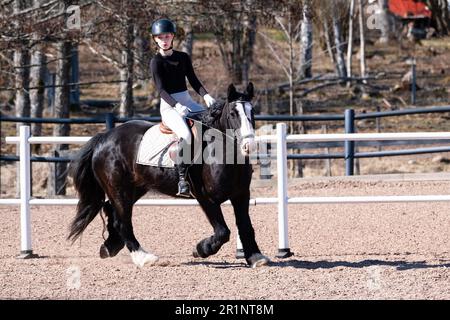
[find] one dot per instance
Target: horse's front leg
(211, 245)
(252, 253)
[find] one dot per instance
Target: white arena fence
(282, 200)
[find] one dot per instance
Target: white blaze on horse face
(247, 131)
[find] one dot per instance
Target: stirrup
(183, 189)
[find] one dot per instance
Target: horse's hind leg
(211, 245)
(124, 208)
(114, 243)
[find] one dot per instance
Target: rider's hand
(209, 100)
(182, 110)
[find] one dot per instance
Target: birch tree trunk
(297, 168)
(126, 72)
(56, 184)
(340, 60)
(37, 74)
(328, 43)
(362, 40)
(22, 73)
(350, 41)
(21, 82)
(385, 21)
(306, 54)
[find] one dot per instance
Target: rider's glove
(182, 110)
(209, 100)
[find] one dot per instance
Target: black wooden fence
(349, 118)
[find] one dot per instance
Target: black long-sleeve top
(169, 73)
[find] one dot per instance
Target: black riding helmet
(163, 26)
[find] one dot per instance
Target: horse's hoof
(197, 254)
(104, 253)
(258, 260)
(141, 257)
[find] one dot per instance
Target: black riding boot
(183, 185)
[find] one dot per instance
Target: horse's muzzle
(248, 146)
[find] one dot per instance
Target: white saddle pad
(154, 148)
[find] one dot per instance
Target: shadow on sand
(324, 264)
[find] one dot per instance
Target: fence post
(349, 145)
(110, 121)
(378, 123)
(75, 76)
(327, 161)
(265, 166)
(25, 194)
(283, 239)
(264, 149)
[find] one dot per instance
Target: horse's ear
(231, 93)
(250, 90)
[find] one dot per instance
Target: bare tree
(328, 42)
(441, 15)
(289, 21)
(350, 40)
(306, 41)
(37, 72)
(250, 26)
(234, 26)
(332, 18)
(58, 172)
(22, 71)
(120, 38)
(126, 71)
(337, 32)
(385, 21)
(362, 39)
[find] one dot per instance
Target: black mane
(212, 114)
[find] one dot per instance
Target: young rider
(170, 68)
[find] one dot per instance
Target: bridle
(252, 113)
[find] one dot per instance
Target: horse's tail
(91, 195)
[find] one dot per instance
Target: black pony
(106, 166)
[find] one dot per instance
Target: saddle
(166, 130)
(156, 145)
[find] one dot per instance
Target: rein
(195, 119)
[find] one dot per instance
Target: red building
(414, 15)
(409, 9)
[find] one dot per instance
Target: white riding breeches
(174, 120)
